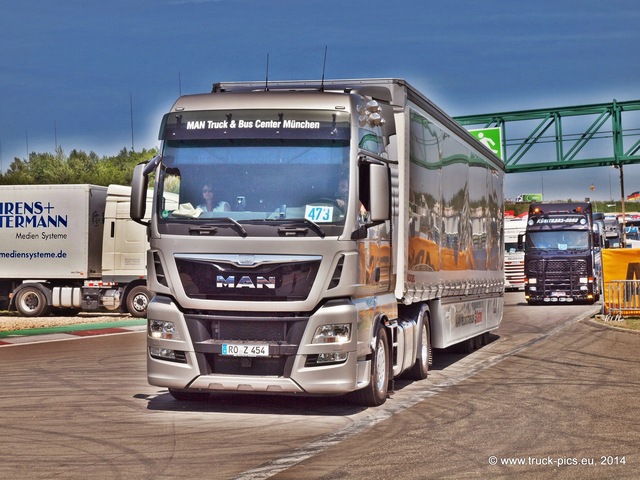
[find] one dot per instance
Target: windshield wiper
(314, 226)
(211, 228)
(294, 230)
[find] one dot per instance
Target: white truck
(514, 231)
(355, 228)
(71, 248)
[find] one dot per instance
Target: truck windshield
(257, 179)
(256, 166)
(512, 247)
(632, 231)
(558, 240)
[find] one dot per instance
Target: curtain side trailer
(354, 227)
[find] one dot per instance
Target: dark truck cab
(562, 254)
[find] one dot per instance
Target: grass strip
(73, 328)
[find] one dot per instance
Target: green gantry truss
(567, 137)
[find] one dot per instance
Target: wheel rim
(381, 367)
(29, 301)
(140, 302)
(424, 351)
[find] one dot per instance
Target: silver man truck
(355, 227)
(71, 248)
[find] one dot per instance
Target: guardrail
(622, 299)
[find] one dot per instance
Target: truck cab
(562, 254)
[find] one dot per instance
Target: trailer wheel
(375, 393)
(469, 345)
(31, 302)
(137, 301)
(420, 369)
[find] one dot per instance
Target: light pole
(624, 221)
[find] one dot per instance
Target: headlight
(334, 333)
(333, 357)
(164, 353)
(532, 281)
(584, 280)
(162, 329)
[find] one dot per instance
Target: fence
(622, 298)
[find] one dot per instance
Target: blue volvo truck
(562, 254)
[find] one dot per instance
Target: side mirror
(379, 195)
(139, 185)
(597, 240)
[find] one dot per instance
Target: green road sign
(490, 138)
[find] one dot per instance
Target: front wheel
(137, 301)
(375, 393)
(31, 302)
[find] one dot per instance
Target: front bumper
(289, 368)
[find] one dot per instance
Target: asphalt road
(550, 397)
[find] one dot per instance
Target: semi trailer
(71, 248)
(356, 227)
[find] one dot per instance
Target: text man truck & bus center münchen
(356, 227)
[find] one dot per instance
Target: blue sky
(73, 72)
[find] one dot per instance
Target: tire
(469, 345)
(375, 393)
(137, 301)
(186, 396)
(420, 369)
(32, 302)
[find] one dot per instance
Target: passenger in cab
(209, 204)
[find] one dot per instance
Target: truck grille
(224, 280)
(563, 267)
(514, 272)
(558, 275)
(210, 332)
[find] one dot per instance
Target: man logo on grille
(245, 282)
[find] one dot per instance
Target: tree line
(74, 168)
